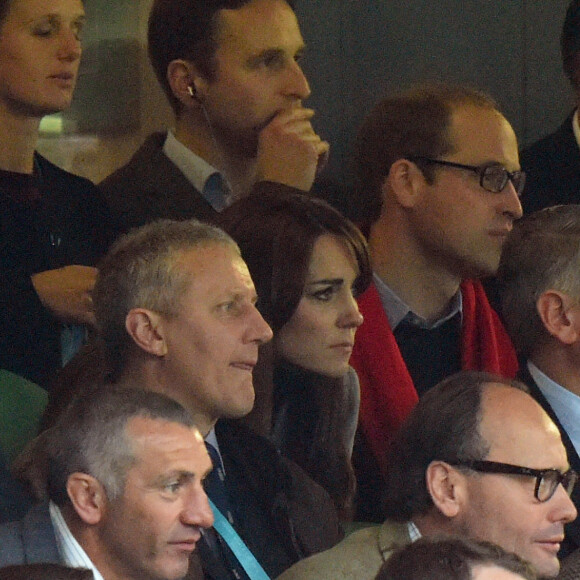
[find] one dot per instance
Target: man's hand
(66, 292)
(289, 151)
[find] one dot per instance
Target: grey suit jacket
(29, 541)
(358, 557)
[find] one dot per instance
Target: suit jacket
(150, 186)
(552, 167)
(281, 514)
(572, 540)
(29, 541)
(358, 557)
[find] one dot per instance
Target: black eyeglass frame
(518, 177)
(567, 479)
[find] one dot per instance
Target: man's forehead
(259, 25)
(517, 429)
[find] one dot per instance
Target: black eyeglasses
(493, 177)
(547, 480)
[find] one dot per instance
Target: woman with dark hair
(308, 264)
(53, 225)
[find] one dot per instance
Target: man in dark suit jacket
(232, 77)
(539, 277)
(552, 164)
(123, 480)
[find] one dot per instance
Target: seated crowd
(235, 383)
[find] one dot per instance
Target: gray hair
(91, 436)
(140, 271)
(541, 253)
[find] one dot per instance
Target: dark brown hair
(276, 234)
(186, 29)
(408, 124)
(443, 426)
(449, 559)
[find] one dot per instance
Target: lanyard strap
(237, 546)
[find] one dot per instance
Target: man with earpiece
(231, 71)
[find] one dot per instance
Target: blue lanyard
(236, 544)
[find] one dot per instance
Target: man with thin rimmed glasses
(438, 186)
(539, 277)
(479, 458)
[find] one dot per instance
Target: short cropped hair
(140, 271)
(443, 426)
(570, 44)
(276, 235)
(542, 252)
(186, 29)
(412, 123)
(449, 559)
(45, 571)
(91, 436)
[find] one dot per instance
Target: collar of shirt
(198, 171)
(396, 310)
(565, 404)
(212, 440)
(70, 550)
(576, 127)
(414, 533)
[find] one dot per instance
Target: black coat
(279, 512)
(552, 167)
(70, 224)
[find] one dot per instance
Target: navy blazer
(572, 540)
(29, 541)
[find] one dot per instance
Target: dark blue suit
(29, 541)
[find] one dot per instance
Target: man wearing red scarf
(438, 184)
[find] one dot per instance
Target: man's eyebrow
(255, 59)
(180, 475)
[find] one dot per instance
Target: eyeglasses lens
(550, 481)
(496, 177)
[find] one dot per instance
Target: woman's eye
(324, 295)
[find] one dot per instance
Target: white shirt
(197, 171)
(69, 549)
(565, 403)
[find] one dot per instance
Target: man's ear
(560, 315)
(186, 83)
(146, 329)
(88, 497)
(403, 180)
(446, 487)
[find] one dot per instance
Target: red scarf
(387, 390)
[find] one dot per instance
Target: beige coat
(358, 557)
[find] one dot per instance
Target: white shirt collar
(69, 549)
(414, 533)
(565, 404)
(197, 170)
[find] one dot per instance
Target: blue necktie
(215, 485)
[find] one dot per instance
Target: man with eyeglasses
(540, 280)
(479, 458)
(437, 192)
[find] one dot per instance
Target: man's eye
(173, 487)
